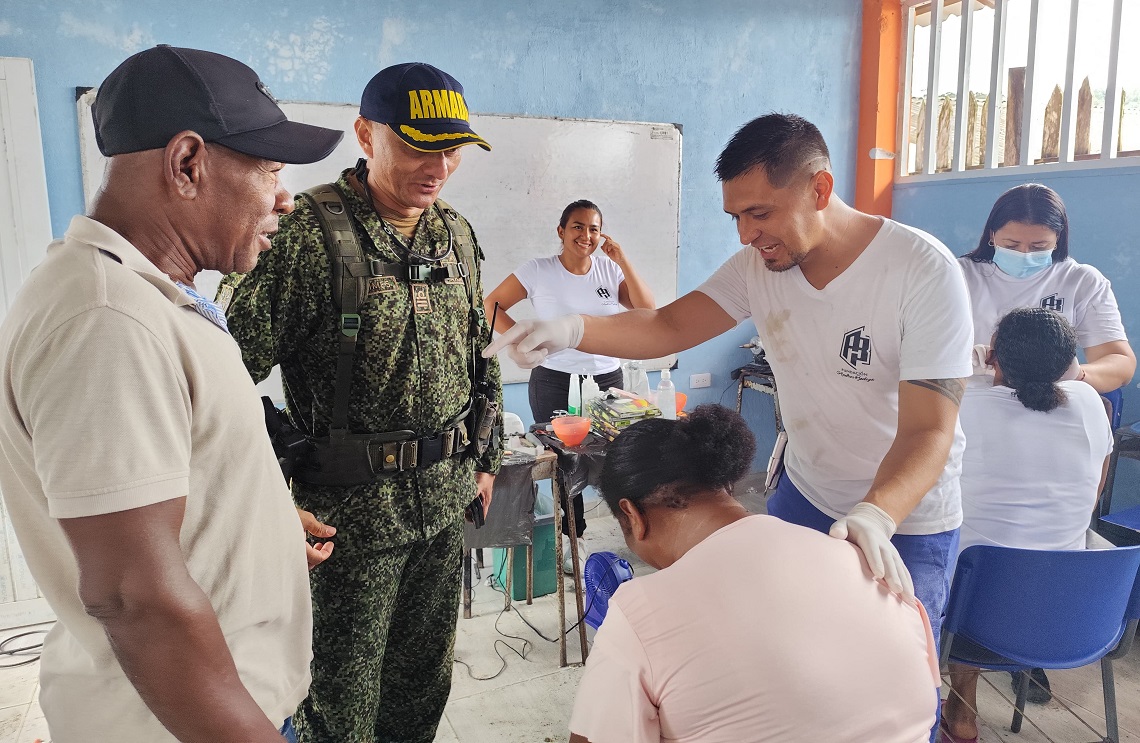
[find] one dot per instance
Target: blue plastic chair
(604, 572)
(1122, 526)
(1116, 401)
(1014, 610)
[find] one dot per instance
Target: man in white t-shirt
(867, 325)
(135, 466)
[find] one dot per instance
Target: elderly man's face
(248, 197)
(404, 178)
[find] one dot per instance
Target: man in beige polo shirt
(133, 456)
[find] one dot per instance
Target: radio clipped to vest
(344, 459)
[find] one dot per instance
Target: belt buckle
(448, 443)
(409, 455)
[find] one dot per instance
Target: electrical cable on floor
(499, 578)
(26, 650)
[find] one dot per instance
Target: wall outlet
(696, 381)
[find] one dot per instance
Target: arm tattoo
(951, 388)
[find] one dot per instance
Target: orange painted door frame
(878, 106)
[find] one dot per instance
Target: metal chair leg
(1019, 705)
(1109, 682)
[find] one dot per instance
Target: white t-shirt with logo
(1030, 479)
(1076, 290)
(899, 312)
(554, 292)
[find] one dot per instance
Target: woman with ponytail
(752, 629)
(1036, 453)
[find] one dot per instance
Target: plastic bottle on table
(590, 391)
(667, 396)
(638, 381)
(574, 406)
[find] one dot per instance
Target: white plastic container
(638, 380)
(590, 391)
(667, 396)
(574, 406)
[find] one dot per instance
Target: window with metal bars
(989, 84)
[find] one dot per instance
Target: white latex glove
(529, 342)
(871, 529)
(978, 359)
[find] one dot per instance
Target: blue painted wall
(710, 66)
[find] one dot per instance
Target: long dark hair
(1034, 347)
(667, 462)
(1030, 203)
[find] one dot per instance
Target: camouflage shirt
(412, 368)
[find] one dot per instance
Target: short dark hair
(1029, 203)
(1034, 347)
(667, 462)
(783, 144)
(574, 206)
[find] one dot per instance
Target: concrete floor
(530, 699)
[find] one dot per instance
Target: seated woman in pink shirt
(752, 629)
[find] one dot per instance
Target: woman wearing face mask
(1036, 455)
(1022, 260)
(579, 280)
(752, 629)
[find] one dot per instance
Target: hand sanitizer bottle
(667, 396)
(574, 405)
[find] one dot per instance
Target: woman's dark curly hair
(666, 462)
(1033, 348)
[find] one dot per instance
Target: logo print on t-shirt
(856, 347)
(1053, 302)
(603, 292)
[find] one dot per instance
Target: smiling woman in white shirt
(577, 280)
(1022, 260)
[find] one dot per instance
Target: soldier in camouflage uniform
(385, 603)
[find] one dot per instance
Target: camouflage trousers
(383, 641)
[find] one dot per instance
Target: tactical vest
(343, 459)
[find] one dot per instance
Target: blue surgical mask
(1022, 265)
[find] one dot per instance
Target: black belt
(412, 452)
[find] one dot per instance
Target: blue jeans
(288, 731)
(928, 557)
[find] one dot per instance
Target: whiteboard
(514, 195)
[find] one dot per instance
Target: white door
(25, 231)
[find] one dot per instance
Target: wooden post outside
(944, 144)
(1051, 131)
(1015, 96)
(1084, 119)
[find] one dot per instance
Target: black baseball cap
(159, 92)
(422, 104)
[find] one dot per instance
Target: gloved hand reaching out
(871, 529)
(529, 342)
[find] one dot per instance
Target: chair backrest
(1044, 608)
(1116, 400)
(603, 573)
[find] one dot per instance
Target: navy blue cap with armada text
(422, 104)
(160, 92)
